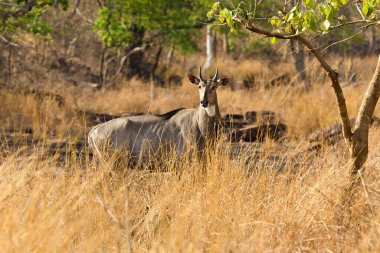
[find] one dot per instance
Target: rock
(234, 121)
(262, 132)
(333, 134)
(268, 116)
(233, 124)
(251, 116)
(235, 117)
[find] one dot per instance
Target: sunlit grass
(232, 206)
(279, 199)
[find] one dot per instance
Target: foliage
(170, 22)
(27, 15)
(307, 17)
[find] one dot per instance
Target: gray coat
(150, 135)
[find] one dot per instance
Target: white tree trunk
(169, 56)
(210, 48)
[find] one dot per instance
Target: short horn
(215, 76)
(200, 73)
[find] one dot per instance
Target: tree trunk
(299, 59)
(226, 48)
(299, 62)
(156, 62)
(169, 56)
(372, 40)
(102, 75)
(9, 70)
(135, 66)
(359, 141)
(210, 48)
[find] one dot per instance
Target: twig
(9, 42)
(358, 8)
(333, 74)
(88, 20)
(346, 39)
(349, 23)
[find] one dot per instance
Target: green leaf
(288, 29)
(228, 17)
(215, 6)
(222, 15)
(313, 24)
(325, 25)
(308, 3)
(310, 21)
(210, 14)
(272, 20)
(295, 8)
(328, 10)
(373, 17)
(343, 2)
(335, 3)
(276, 21)
(367, 8)
(273, 40)
(290, 17)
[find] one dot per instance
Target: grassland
(76, 205)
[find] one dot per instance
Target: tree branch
(333, 75)
(369, 102)
(79, 13)
(9, 43)
(349, 23)
(348, 38)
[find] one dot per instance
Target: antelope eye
(199, 87)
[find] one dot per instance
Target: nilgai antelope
(147, 135)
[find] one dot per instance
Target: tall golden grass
(233, 207)
(281, 201)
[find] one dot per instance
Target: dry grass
(80, 206)
(235, 207)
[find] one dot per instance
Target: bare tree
(210, 48)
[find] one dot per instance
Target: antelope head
(207, 90)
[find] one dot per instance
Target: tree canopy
(171, 22)
(307, 17)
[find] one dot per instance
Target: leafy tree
(306, 22)
(23, 15)
(26, 15)
(127, 27)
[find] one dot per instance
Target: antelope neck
(211, 111)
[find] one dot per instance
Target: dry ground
(80, 206)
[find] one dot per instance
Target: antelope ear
(223, 81)
(194, 80)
